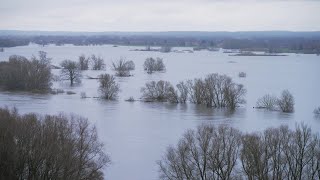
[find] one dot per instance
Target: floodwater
(136, 134)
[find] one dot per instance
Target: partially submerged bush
(317, 111)
(130, 99)
(286, 102)
(97, 63)
(84, 62)
(267, 101)
(71, 92)
(108, 88)
(56, 91)
(49, 147)
(242, 74)
(83, 95)
(156, 91)
(150, 65)
(123, 67)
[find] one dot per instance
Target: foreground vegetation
(224, 152)
(49, 147)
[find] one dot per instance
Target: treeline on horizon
(290, 42)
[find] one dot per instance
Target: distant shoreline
(254, 54)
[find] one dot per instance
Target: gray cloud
(164, 15)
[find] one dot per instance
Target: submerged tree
(84, 62)
(97, 63)
(157, 91)
(286, 102)
(70, 71)
(267, 101)
(150, 65)
(108, 88)
(123, 67)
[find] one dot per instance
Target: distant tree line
(272, 44)
(49, 147)
(223, 152)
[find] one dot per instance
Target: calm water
(136, 134)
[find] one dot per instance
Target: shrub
(97, 63)
(150, 65)
(56, 91)
(242, 74)
(84, 62)
(157, 91)
(267, 101)
(130, 99)
(83, 95)
(123, 67)
(71, 92)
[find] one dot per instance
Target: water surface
(136, 134)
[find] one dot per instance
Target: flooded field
(136, 134)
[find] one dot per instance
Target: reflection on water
(136, 134)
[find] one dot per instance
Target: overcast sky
(160, 15)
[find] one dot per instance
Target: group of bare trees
(19, 73)
(151, 64)
(213, 91)
(285, 103)
(49, 147)
(225, 153)
(96, 62)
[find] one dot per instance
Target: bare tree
(84, 62)
(97, 63)
(156, 91)
(267, 101)
(286, 102)
(300, 153)
(123, 67)
(184, 91)
(150, 65)
(108, 88)
(207, 153)
(70, 71)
